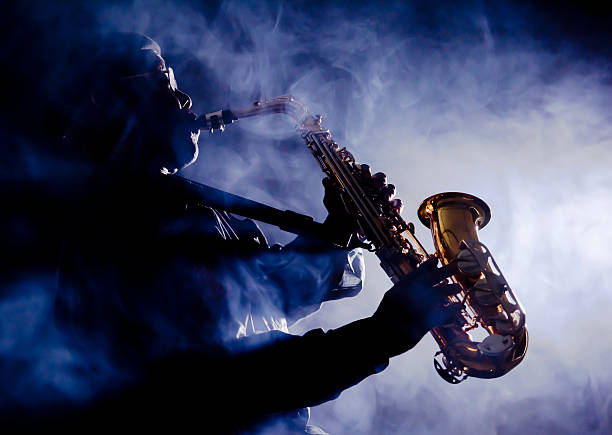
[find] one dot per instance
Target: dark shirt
(188, 305)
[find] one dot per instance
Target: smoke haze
(471, 99)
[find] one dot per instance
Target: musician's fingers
(429, 264)
(328, 183)
(440, 274)
(421, 274)
(429, 272)
(443, 315)
(425, 293)
(331, 198)
(387, 193)
(446, 290)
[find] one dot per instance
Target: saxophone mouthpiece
(216, 120)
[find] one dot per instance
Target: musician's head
(134, 114)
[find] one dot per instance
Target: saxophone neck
(286, 104)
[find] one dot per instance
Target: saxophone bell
(454, 220)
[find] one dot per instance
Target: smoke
(38, 367)
(450, 99)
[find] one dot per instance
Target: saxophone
(488, 303)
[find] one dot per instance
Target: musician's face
(170, 136)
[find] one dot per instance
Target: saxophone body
(489, 304)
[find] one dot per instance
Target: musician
(188, 305)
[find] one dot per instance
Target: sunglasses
(168, 79)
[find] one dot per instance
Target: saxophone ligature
(489, 305)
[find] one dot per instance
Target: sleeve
(309, 272)
(306, 272)
(262, 376)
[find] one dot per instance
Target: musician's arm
(279, 372)
(264, 375)
(273, 373)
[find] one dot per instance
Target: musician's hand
(412, 307)
(341, 223)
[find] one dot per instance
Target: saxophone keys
(387, 193)
(397, 206)
(468, 264)
(447, 370)
(496, 345)
(365, 171)
(481, 292)
(379, 180)
(511, 325)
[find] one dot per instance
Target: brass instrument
(489, 304)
